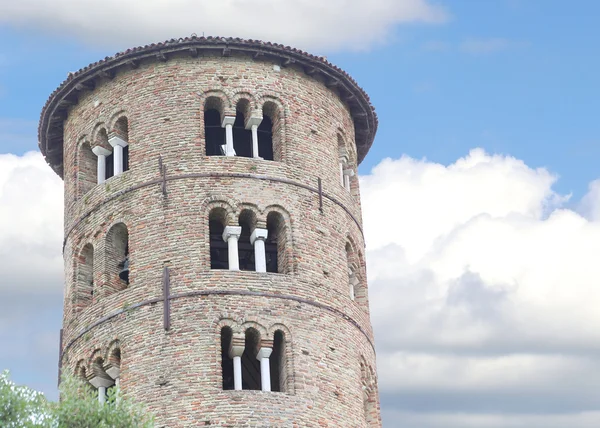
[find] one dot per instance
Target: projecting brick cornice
(55, 111)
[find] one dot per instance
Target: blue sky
(488, 115)
(517, 77)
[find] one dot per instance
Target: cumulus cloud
(30, 224)
(31, 269)
(484, 293)
(309, 24)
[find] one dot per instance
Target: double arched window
(249, 362)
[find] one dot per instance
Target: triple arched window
(248, 133)
(245, 245)
(253, 363)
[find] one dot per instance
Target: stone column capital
(238, 344)
(253, 120)
(260, 234)
(232, 231)
(115, 140)
(101, 151)
(264, 353)
(101, 381)
(228, 120)
(349, 172)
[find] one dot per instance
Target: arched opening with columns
(226, 358)
(276, 246)
(242, 137)
(84, 287)
(278, 363)
(121, 131)
(102, 141)
(247, 221)
(214, 133)
(87, 172)
(219, 257)
(117, 258)
(270, 132)
(250, 365)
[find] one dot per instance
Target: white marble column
(353, 281)
(228, 122)
(235, 352)
(253, 124)
(347, 174)
(118, 145)
(101, 152)
(101, 383)
(265, 369)
(258, 239)
(231, 234)
(114, 372)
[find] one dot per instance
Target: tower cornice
(55, 111)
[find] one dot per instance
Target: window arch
(117, 257)
(242, 137)
(226, 360)
(270, 132)
(247, 221)
(214, 133)
(250, 365)
(121, 130)
(356, 284)
(87, 170)
(369, 394)
(102, 141)
(276, 246)
(278, 363)
(219, 256)
(84, 291)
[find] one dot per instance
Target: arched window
(276, 244)
(100, 379)
(121, 130)
(87, 169)
(226, 360)
(214, 133)
(269, 133)
(85, 277)
(242, 137)
(117, 257)
(352, 282)
(369, 394)
(250, 365)
(102, 141)
(278, 364)
(113, 369)
(245, 248)
(219, 256)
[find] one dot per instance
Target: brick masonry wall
(178, 373)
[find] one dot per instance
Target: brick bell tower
(214, 251)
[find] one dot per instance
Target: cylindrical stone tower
(214, 252)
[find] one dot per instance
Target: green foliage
(21, 407)
(79, 408)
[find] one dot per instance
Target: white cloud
(482, 287)
(309, 24)
(31, 211)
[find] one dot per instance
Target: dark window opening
(226, 360)
(250, 365)
(242, 137)
(118, 257)
(219, 255)
(126, 158)
(265, 139)
(214, 133)
(110, 166)
(245, 249)
(124, 267)
(275, 246)
(277, 363)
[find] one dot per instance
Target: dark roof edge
(50, 132)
